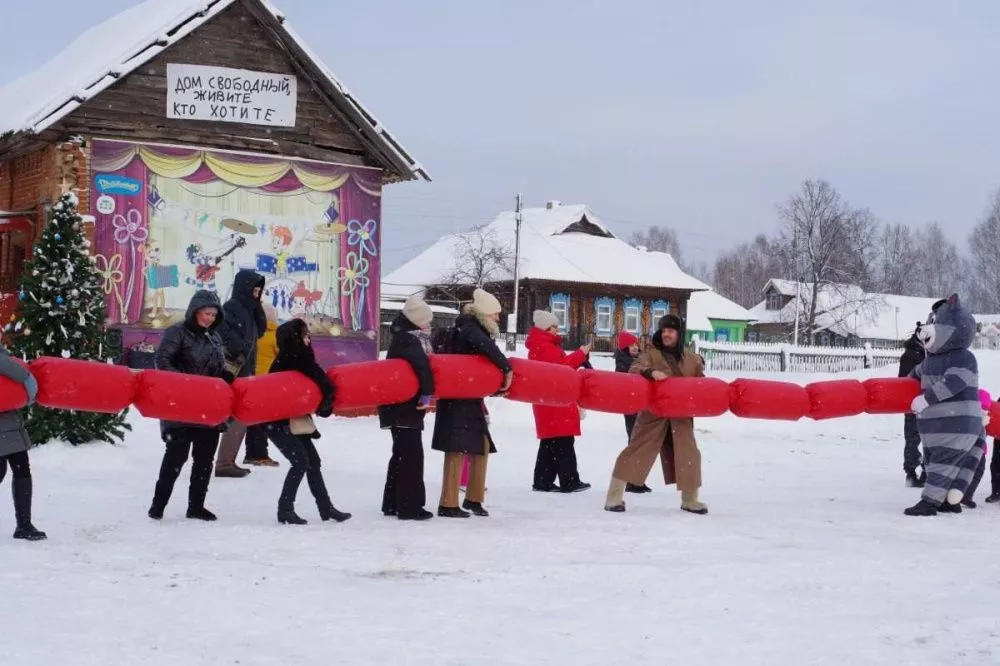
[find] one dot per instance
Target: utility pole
(512, 319)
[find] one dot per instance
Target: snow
(398, 306)
(550, 253)
(703, 306)
(106, 52)
(848, 310)
(805, 558)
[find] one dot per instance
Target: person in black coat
(295, 353)
(14, 445)
(405, 495)
(461, 426)
(625, 355)
(913, 354)
(245, 323)
(194, 348)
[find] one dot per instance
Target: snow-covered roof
(550, 252)
(398, 306)
(103, 54)
(849, 310)
(704, 306)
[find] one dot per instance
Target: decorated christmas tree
(61, 313)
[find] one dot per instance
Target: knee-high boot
(21, 490)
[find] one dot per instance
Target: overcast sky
(697, 115)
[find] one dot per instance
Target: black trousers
(305, 463)
(995, 467)
(405, 493)
(556, 457)
(911, 450)
(20, 468)
(630, 423)
(256, 442)
(198, 443)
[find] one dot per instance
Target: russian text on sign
(223, 94)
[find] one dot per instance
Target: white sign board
(226, 95)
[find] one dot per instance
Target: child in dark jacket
(14, 445)
(294, 437)
(912, 355)
(625, 355)
(404, 495)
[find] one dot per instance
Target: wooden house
(204, 137)
(570, 263)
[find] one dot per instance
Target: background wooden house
(570, 263)
(203, 138)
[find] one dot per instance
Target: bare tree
(480, 258)
(984, 260)
(939, 269)
(898, 256)
(830, 245)
(741, 273)
(660, 239)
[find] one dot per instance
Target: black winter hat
(670, 321)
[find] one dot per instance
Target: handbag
(302, 425)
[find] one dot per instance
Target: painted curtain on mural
(170, 221)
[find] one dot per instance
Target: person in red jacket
(556, 427)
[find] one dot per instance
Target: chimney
(549, 205)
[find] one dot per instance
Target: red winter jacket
(554, 421)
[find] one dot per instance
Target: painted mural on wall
(170, 221)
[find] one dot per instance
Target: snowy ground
(805, 558)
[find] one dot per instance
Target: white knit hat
(544, 319)
(485, 303)
(418, 312)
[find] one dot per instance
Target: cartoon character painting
(281, 244)
(158, 278)
(304, 301)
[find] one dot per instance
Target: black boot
(330, 512)
(969, 503)
(21, 491)
(476, 508)
(993, 498)
(950, 508)
(422, 514)
(631, 488)
(288, 516)
(200, 513)
(922, 508)
(452, 512)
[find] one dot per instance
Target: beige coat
(672, 439)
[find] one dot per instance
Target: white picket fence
(763, 357)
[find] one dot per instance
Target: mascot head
(949, 327)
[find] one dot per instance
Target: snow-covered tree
(61, 313)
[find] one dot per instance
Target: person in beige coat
(672, 439)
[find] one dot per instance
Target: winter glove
(324, 413)
(424, 402)
(31, 386)
(919, 404)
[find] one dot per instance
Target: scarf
(424, 337)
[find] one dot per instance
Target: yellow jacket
(267, 349)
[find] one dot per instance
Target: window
(751, 336)
(559, 306)
(605, 308)
(824, 339)
(657, 310)
(633, 315)
(774, 301)
(722, 335)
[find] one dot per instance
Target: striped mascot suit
(948, 409)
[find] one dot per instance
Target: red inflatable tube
(172, 396)
(891, 395)
(274, 397)
(759, 399)
(12, 395)
(372, 383)
(458, 376)
(539, 383)
(613, 392)
(680, 397)
(89, 386)
(836, 399)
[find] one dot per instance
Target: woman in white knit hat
(461, 426)
(556, 427)
(405, 495)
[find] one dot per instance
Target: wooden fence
(762, 357)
